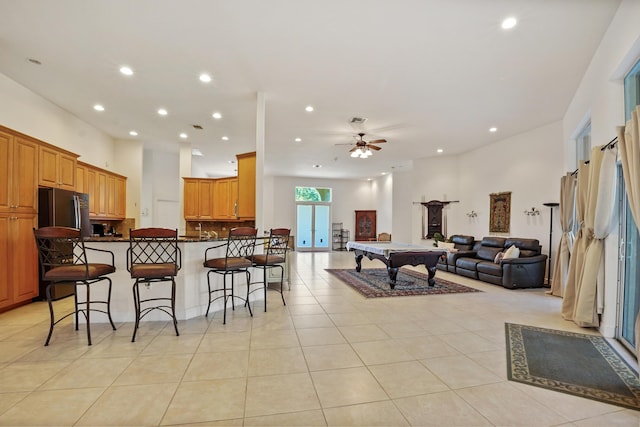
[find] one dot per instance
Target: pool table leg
(393, 274)
(358, 262)
(432, 272)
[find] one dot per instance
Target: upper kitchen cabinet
(18, 173)
(107, 191)
(225, 201)
(246, 186)
(198, 199)
(57, 168)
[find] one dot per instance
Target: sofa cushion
(467, 263)
(493, 242)
(528, 247)
(488, 253)
(462, 242)
(512, 252)
(490, 268)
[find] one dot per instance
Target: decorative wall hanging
(500, 212)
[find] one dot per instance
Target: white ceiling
(427, 74)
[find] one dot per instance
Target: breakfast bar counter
(191, 281)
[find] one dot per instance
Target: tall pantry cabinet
(18, 217)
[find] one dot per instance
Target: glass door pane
(631, 284)
(304, 229)
(321, 227)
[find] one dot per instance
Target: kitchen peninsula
(192, 296)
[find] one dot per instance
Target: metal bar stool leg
(88, 308)
(109, 306)
(136, 303)
(48, 292)
(173, 306)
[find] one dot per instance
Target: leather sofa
(526, 271)
(460, 243)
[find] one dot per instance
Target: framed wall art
(500, 212)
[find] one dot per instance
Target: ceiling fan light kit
(363, 149)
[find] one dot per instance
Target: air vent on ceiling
(197, 127)
(357, 120)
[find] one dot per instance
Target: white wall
(26, 112)
(601, 95)
(348, 196)
(160, 194)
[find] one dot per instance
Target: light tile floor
(330, 357)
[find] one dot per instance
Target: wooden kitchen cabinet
(246, 186)
(198, 198)
(107, 192)
(57, 168)
(18, 173)
(19, 258)
(225, 201)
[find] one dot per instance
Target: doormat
(578, 364)
(374, 282)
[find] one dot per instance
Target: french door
(629, 278)
(312, 231)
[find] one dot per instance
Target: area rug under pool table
(374, 282)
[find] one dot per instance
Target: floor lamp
(551, 205)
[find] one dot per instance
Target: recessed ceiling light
(383, 173)
(317, 166)
(205, 78)
(225, 138)
(98, 107)
(216, 116)
(493, 129)
(309, 108)
(196, 152)
(162, 112)
(440, 150)
(184, 135)
(126, 71)
(298, 139)
(509, 23)
(231, 162)
(133, 133)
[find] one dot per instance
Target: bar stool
(63, 259)
(153, 256)
(275, 256)
(240, 246)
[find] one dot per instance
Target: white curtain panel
(563, 254)
(579, 245)
(591, 292)
(629, 146)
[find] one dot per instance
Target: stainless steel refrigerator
(62, 208)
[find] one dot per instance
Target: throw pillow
(498, 257)
(512, 252)
(446, 245)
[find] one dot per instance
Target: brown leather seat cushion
(231, 263)
(153, 271)
(263, 259)
(77, 272)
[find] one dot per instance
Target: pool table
(395, 255)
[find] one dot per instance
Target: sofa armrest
(527, 272)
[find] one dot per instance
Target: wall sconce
(532, 212)
(472, 214)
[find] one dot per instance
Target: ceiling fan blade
(353, 149)
(373, 147)
(377, 141)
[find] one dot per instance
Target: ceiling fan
(363, 148)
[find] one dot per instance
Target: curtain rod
(575, 172)
(610, 144)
